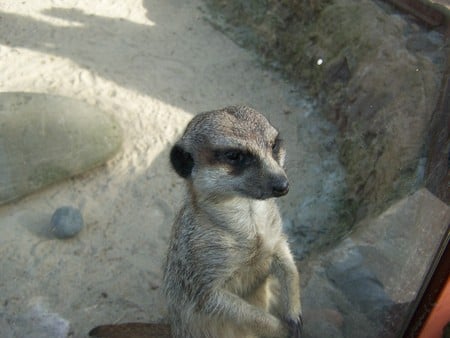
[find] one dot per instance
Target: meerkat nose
(280, 186)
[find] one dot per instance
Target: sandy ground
(153, 65)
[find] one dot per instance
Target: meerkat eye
(234, 156)
(276, 145)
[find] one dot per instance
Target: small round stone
(66, 222)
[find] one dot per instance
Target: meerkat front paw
(295, 327)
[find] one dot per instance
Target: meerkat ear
(181, 161)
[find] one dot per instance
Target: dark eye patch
(237, 159)
(231, 156)
(234, 156)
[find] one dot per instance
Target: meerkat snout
(280, 186)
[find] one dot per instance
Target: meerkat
(229, 271)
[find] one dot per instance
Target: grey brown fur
(229, 270)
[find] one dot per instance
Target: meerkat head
(232, 151)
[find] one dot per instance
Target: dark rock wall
(376, 73)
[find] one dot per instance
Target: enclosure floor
(153, 65)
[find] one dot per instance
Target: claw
(295, 327)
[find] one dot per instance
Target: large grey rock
(381, 267)
(46, 138)
(400, 244)
(359, 284)
(378, 79)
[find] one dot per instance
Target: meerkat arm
(218, 303)
(226, 305)
(285, 270)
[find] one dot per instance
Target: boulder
(381, 267)
(376, 73)
(46, 138)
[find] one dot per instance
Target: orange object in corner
(439, 316)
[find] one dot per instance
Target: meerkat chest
(257, 225)
(266, 222)
(260, 226)
(253, 266)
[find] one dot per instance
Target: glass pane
(93, 95)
